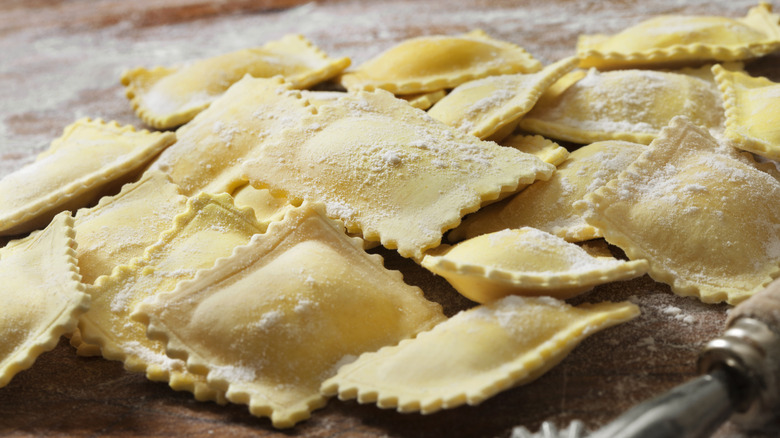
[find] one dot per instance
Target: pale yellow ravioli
(544, 149)
(210, 149)
(705, 217)
(525, 261)
(424, 101)
(630, 105)
(265, 205)
(548, 205)
(209, 227)
(42, 295)
(752, 111)
(677, 38)
(432, 63)
(484, 106)
(302, 299)
(88, 155)
(388, 170)
(168, 97)
(120, 227)
(475, 354)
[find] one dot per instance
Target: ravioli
(120, 227)
(168, 97)
(629, 105)
(424, 101)
(475, 354)
(677, 38)
(265, 205)
(209, 151)
(752, 116)
(297, 297)
(208, 228)
(705, 217)
(484, 106)
(88, 155)
(41, 292)
(432, 63)
(525, 261)
(388, 170)
(538, 146)
(549, 205)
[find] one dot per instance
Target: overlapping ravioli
(544, 149)
(41, 293)
(209, 228)
(302, 299)
(424, 101)
(266, 206)
(752, 111)
(548, 205)
(120, 227)
(209, 151)
(168, 97)
(630, 105)
(88, 155)
(389, 170)
(432, 63)
(676, 38)
(525, 261)
(705, 217)
(475, 354)
(484, 106)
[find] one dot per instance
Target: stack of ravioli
(225, 252)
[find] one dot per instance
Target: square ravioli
(389, 170)
(432, 63)
(475, 354)
(303, 298)
(549, 205)
(704, 216)
(88, 155)
(525, 261)
(209, 227)
(629, 105)
(678, 38)
(168, 97)
(752, 115)
(41, 292)
(484, 106)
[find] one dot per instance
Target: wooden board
(62, 60)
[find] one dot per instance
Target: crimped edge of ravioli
(745, 141)
(482, 283)
(133, 92)
(593, 57)
(523, 370)
(177, 349)
(632, 250)
(19, 220)
(356, 80)
(505, 115)
(67, 320)
(202, 391)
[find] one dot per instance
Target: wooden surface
(60, 60)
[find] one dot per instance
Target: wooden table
(61, 60)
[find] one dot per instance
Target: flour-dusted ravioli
(475, 354)
(88, 155)
(266, 206)
(302, 299)
(42, 295)
(548, 205)
(208, 228)
(630, 105)
(677, 38)
(210, 149)
(484, 106)
(432, 63)
(525, 261)
(752, 111)
(168, 97)
(389, 170)
(705, 217)
(544, 149)
(120, 227)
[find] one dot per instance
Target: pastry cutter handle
(741, 380)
